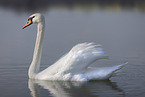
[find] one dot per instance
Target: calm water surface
(121, 32)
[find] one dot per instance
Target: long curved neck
(35, 65)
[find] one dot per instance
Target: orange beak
(28, 23)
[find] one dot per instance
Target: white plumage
(72, 66)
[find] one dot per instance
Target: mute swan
(73, 65)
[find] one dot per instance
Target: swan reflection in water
(76, 89)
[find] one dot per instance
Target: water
(120, 29)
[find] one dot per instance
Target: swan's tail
(118, 67)
(104, 72)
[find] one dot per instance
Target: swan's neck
(34, 67)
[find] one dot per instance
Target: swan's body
(73, 65)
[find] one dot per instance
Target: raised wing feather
(81, 56)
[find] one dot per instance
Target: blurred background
(116, 24)
(45, 5)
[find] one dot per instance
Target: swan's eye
(31, 18)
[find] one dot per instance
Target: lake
(118, 27)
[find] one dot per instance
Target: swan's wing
(81, 56)
(74, 62)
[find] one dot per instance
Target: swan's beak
(28, 23)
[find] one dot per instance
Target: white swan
(73, 65)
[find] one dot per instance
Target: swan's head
(34, 19)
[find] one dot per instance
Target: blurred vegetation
(43, 5)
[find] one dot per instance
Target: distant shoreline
(42, 5)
